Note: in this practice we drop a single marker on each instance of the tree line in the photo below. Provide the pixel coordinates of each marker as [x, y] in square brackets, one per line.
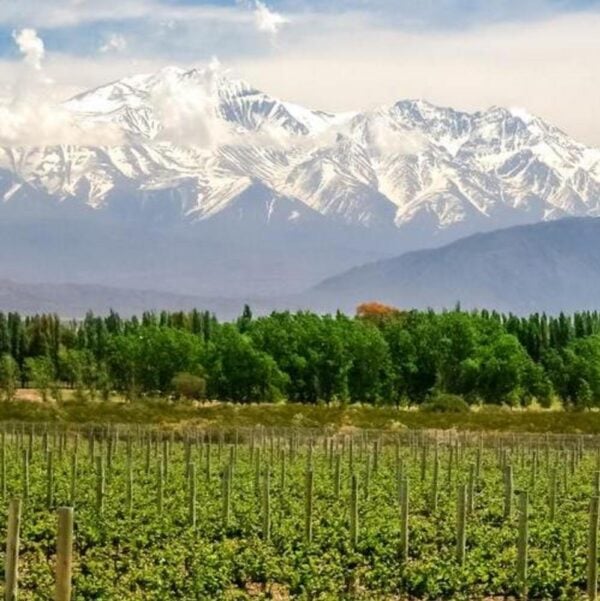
[381, 355]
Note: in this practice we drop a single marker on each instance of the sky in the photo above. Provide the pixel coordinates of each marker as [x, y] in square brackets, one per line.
[335, 55]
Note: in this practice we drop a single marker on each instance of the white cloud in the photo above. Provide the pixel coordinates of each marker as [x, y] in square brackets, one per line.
[346, 63]
[115, 42]
[32, 120]
[31, 47]
[30, 110]
[187, 109]
[350, 61]
[268, 20]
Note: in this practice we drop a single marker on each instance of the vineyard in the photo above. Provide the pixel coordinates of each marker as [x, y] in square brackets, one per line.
[297, 514]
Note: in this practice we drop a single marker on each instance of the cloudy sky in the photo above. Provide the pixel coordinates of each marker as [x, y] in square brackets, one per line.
[541, 55]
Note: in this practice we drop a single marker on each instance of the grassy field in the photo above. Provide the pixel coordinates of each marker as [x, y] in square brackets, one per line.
[171, 414]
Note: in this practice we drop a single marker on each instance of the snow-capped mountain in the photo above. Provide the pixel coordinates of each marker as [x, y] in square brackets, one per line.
[204, 138]
[199, 150]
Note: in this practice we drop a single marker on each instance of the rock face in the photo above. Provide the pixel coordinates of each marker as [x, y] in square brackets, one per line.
[210, 186]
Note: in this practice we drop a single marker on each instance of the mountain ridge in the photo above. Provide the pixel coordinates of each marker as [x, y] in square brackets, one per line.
[194, 162]
[415, 155]
[545, 267]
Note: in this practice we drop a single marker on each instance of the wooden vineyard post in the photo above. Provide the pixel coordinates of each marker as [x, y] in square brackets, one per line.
[471, 490]
[160, 484]
[25, 474]
[232, 462]
[308, 522]
[367, 475]
[64, 554]
[226, 487]
[109, 453]
[129, 449]
[434, 482]
[399, 475]
[187, 455]
[337, 477]
[397, 459]
[404, 517]
[534, 469]
[461, 524]
[165, 458]
[354, 511]
[257, 468]
[148, 455]
[508, 491]
[267, 506]
[129, 487]
[552, 495]
[309, 456]
[283, 470]
[522, 544]
[423, 463]
[73, 487]
[100, 484]
[3, 464]
[49, 480]
[192, 499]
[3, 468]
[91, 446]
[11, 570]
[208, 463]
[592, 554]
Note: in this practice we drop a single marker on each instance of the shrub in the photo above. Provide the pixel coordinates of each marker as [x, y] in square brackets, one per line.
[446, 403]
[189, 386]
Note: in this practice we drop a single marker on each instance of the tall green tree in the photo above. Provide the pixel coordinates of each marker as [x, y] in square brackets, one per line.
[9, 376]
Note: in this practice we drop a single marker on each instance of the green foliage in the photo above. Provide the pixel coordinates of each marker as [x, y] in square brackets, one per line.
[383, 356]
[40, 373]
[239, 371]
[446, 403]
[9, 376]
[189, 386]
[503, 365]
[255, 524]
[581, 378]
[147, 358]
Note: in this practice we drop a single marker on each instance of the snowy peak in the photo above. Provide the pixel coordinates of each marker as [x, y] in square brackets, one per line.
[198, 141]
[146, 105]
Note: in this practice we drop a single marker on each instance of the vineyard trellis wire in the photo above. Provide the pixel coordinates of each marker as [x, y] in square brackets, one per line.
[202, 513]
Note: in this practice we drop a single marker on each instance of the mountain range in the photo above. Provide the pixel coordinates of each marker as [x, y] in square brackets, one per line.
[551, 266]
[546, 267]
[197, 184]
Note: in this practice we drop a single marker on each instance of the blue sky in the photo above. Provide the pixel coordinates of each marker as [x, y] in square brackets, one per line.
[331, 54]
[81, 27]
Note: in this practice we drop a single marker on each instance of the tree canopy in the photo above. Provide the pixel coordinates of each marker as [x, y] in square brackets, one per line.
[381, 356]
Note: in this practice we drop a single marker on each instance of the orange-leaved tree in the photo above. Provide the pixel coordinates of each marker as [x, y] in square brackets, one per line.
[377, 312]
